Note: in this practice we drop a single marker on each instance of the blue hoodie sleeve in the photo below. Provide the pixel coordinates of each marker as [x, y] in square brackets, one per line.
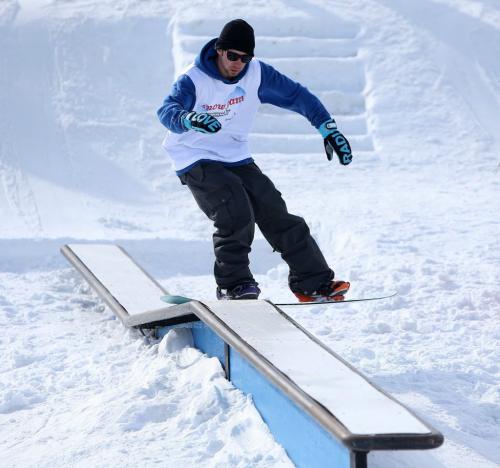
[181, 99]
[279, 90]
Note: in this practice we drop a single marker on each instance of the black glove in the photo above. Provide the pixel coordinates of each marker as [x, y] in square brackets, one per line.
[201, 122]
[335, 142]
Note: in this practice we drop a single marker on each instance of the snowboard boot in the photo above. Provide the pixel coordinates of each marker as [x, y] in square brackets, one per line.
[332, 291]
[241, 291]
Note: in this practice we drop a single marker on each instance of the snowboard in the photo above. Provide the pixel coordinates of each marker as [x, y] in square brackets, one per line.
[173, 299]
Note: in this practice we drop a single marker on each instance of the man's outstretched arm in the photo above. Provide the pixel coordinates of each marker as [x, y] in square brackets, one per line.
[279, 90]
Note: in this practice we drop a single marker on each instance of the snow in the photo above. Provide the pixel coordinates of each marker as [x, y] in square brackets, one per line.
[415, 86]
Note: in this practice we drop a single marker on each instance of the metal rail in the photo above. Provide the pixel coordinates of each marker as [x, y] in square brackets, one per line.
[195, 310]
[358, 442]
[148, 319]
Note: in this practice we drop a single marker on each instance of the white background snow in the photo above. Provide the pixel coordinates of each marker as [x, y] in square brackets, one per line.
[414, 85]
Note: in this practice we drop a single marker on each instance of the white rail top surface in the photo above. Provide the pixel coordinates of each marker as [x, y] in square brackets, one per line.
[121, 276]
[358, 405]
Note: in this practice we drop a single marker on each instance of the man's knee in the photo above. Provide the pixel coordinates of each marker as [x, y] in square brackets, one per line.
[240, 210]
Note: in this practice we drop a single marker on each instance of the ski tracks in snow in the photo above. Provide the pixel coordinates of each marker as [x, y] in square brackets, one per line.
[18, 200]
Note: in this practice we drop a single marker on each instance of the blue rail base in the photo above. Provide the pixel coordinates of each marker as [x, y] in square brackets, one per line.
[306, 442]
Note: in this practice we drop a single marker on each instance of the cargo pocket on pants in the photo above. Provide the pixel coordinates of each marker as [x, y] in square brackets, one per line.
[216, 206]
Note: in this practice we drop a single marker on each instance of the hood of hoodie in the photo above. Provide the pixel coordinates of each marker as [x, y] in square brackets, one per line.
[206, 61]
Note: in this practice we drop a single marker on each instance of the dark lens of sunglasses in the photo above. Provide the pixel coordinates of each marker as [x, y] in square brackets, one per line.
[233, 57]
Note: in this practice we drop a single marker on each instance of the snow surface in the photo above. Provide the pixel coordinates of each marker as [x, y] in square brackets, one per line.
[414, 85]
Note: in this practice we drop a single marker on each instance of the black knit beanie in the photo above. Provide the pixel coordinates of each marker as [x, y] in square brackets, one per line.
[238, 35]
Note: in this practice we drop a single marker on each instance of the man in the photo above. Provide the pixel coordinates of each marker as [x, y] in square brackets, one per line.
[210, 112]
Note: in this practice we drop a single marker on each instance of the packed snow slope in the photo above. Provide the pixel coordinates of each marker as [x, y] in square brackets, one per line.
[414, 85]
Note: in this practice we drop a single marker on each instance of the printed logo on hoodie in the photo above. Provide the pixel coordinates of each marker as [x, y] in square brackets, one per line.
[220, 110]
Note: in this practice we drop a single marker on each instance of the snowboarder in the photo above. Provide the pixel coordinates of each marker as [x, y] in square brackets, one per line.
[209, 114]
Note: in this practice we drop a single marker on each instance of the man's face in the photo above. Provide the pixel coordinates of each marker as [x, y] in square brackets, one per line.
[228, 68]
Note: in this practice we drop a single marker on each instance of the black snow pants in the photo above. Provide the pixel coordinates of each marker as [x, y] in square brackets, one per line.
[237, 197]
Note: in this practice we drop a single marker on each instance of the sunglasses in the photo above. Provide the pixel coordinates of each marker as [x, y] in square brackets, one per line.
[233, 57]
